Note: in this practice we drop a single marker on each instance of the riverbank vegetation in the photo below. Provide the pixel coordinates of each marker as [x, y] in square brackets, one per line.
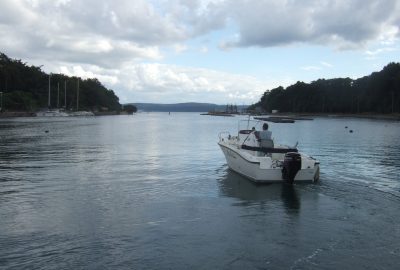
[376, 93]
[26, 88]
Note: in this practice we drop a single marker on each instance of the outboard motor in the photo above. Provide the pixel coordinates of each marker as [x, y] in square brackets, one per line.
[291, 165]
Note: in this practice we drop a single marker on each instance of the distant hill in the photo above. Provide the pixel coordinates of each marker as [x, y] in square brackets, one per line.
[182, 107]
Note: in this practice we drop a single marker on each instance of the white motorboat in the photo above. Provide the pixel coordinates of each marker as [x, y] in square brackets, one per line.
[266, 162]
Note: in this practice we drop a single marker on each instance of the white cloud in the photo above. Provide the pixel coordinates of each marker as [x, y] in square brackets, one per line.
[380, 51]
[91, 31]
[326, 64]
[16, 13]
[169, 83]
[310, 68]
[118, 41]
[204, 49]
[179, 48]
[322, 65]
[341, 24]
[109, 77]
[94, 27]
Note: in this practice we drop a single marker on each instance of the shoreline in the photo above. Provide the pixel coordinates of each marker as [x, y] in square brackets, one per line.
[33, 114]
[393, 117]
[17, 114]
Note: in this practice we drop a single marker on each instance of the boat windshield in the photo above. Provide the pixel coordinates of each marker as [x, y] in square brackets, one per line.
[245, 125]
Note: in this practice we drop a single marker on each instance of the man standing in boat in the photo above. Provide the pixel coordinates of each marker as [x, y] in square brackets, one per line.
[266, 137]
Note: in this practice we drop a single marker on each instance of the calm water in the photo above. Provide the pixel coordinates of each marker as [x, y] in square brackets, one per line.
[153, 191]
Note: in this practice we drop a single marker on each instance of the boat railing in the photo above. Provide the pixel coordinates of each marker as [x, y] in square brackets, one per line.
[269, 149]
[221, 135]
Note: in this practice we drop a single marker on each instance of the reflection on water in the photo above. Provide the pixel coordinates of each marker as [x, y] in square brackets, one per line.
[234, 185]
[289, 196]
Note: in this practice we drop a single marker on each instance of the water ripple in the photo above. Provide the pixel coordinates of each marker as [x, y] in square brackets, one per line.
[154, 191]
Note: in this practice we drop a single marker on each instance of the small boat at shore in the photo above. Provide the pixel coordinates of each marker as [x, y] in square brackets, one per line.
[282, 119]
[218, 114]
[275, 119]
[52, 113]
[62, 113]
[81, 113]
[267, 162]
[57, 112]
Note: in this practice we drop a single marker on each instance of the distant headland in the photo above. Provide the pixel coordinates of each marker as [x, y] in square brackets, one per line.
[377, 93]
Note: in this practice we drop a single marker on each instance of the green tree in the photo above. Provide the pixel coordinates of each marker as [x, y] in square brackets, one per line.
[26, 88]
[376, 93]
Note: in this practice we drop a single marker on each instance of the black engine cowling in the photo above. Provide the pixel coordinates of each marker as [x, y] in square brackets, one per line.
[291, 165]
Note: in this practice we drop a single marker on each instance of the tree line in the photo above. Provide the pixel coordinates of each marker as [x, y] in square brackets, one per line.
[376, 93]
[26, 88]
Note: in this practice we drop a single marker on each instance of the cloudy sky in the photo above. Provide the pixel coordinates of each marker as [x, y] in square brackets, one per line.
[217, 51]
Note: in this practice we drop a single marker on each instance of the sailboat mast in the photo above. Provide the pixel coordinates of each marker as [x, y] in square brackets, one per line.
[65, 94]
[49, 92]
[77, 97]
[58, 94]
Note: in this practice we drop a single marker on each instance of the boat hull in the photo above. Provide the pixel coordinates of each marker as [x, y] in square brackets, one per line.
[259, 169]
